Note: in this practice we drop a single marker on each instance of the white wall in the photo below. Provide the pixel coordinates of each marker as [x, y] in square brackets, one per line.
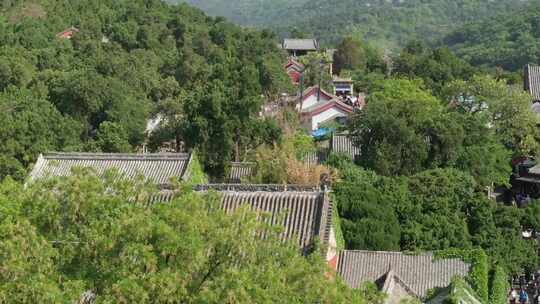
[324, 116]
[332, 245]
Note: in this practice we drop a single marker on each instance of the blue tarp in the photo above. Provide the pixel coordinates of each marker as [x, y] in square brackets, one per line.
[322, 132]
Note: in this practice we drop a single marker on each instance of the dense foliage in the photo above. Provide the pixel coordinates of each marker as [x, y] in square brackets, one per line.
[62, 238]
[478, 277]
[405, 129]
[433, 210]
[386, 23]
[499, 286]
[509, 40]
[435, 132]
[431, 157]
[436, 67]
[130, 61]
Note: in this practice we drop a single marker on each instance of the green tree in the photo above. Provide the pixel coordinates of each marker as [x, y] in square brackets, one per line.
[31, 125]
[392, 130]
[405, 130]
[349, 55]
[507, 109]
[436, 67]
[532, 216]
[90, 233]
[367, 217]
[29, 273]
[113, 138]
[317, 70]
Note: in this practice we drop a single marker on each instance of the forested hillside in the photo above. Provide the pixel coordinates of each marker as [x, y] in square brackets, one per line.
[387, 23]
[509, 40]
[127, 62]
[248, 12]
[418, 153]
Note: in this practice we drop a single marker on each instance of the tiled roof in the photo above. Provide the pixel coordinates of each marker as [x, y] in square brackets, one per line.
[314, 90]
[67, 33]
[301, 44]
[294, 65]
[532, 80]
[420, 273]
[258, 187]
[325, 105]
[306, 216]
[240, 171]
[342, 79]
[158, 168]
[341, 143]
[305, 213]
[314, 158]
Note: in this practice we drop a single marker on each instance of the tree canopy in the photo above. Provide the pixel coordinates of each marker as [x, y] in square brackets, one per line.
[432, 210]
[509, 40]
[128, 62]
[404, 130]
[64, 237]
[389, 24]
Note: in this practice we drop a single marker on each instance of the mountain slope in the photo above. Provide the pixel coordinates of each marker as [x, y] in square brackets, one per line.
[509, 40]
[248, 12]
[388, 23]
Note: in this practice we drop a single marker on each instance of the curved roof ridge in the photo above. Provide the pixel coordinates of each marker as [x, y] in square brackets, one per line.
[100, 155]
[407, 253]
[259, 188]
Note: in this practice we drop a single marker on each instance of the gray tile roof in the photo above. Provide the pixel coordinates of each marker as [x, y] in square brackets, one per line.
[314, 89]
[305, 213]
[341, 143]
[301, 44]
[532, 80]
[241, 171]
[315, 158]
[258, 187]
[420, 273]
[158, 168]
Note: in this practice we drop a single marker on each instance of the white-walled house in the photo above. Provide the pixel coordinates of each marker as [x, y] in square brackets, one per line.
[313, 95]
[318, 107]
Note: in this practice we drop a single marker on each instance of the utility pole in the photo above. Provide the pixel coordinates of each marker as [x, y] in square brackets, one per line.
[321, 65]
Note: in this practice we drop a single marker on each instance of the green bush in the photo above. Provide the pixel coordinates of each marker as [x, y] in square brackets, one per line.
[498, 286]
[197, 175]
[478, 274]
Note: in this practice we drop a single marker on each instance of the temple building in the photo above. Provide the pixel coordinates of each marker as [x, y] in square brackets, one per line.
[294, 70]
[318, 107]
[532, 81]
[300, 47]
[343, 86]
